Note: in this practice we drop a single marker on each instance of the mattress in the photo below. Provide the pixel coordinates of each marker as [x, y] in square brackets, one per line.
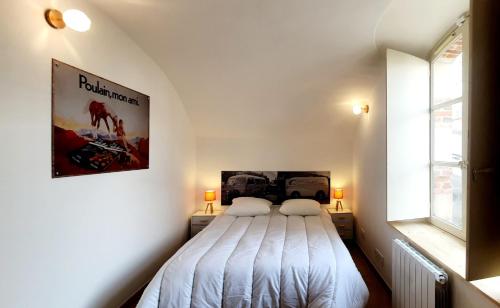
[262, 261]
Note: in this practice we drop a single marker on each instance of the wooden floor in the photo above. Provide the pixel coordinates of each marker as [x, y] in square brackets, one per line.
[134, 300]
[380, 295]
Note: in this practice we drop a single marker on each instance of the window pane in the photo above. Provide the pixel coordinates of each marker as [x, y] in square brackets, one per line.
[447, 194]
[447, 133]
[447, 73]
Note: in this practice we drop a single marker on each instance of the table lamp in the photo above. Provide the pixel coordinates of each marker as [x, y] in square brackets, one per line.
[209, 198]
[338, 193]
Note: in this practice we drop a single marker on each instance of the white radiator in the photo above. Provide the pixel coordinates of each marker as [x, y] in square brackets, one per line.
[416, 281]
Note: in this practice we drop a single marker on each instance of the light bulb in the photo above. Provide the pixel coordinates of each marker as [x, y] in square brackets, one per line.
[356, 109]
[76, 20]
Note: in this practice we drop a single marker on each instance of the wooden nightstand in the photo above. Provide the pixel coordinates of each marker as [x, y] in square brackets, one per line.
[343, 221]
[200, 220]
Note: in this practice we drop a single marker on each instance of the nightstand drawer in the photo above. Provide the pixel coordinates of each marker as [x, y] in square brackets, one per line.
[345, 234]
[195, 229]
[201, 220]
[343, 226]
[342, 219]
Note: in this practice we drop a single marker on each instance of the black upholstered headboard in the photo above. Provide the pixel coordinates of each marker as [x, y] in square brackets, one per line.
[275, 186]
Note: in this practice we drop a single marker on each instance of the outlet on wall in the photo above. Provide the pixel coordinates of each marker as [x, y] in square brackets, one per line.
[379, 258]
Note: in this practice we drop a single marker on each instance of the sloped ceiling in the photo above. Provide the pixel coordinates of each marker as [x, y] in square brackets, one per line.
[254, 68]
[416, 26]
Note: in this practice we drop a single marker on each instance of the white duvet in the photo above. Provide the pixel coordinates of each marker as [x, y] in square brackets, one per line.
[263, 261]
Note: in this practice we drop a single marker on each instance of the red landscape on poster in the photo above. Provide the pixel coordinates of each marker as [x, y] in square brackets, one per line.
[98, 126]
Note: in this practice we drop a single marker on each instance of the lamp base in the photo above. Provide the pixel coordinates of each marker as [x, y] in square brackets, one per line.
[339, 203]
[211, 205]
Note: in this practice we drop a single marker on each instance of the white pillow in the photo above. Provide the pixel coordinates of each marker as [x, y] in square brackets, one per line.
[300, 207]
[249, 206]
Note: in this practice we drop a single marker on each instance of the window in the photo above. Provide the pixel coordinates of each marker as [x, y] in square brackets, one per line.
[449, 132]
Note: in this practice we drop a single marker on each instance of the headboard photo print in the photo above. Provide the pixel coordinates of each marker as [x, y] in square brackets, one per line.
[275, 186]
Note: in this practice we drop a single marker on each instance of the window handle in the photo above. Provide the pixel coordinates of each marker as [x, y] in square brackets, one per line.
[476, 172]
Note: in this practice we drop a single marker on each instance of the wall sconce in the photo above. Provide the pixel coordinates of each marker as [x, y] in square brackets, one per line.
[74, 19]
[357, 109]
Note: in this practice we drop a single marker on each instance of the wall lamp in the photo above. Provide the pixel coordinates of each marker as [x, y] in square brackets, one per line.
[358, 109]
[74, 19]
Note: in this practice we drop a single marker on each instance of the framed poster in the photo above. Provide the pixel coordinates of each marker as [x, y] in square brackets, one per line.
[275, 186]
[98, 126]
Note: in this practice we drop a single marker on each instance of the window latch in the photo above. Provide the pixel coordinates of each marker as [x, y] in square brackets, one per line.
[476, 172]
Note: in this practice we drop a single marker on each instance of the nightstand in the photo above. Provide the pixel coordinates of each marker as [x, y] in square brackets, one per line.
[343, 221]
[200, 220]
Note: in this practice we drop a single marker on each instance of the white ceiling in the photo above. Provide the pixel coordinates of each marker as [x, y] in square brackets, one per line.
[254, 68]
[416, 26]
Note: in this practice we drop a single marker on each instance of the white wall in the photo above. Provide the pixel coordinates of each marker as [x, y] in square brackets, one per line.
[275, 153]
[370, 197]
[88, 241]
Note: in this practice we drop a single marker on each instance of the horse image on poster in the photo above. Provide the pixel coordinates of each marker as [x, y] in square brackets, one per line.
[98, 112]
[97, 125]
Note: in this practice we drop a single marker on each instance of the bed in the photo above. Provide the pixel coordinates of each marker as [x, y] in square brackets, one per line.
[263, 261]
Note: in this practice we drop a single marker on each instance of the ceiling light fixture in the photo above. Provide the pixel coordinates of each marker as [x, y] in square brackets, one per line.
[357, 109]
[73, 18]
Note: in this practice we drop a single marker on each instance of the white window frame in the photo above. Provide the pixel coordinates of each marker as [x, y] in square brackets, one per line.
[463, 29]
